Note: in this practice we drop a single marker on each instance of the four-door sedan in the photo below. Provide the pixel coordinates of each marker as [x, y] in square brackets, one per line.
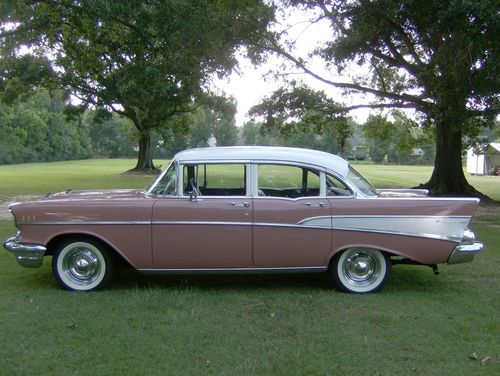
[245, 209]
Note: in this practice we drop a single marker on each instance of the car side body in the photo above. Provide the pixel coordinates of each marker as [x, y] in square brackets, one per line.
[245, 209]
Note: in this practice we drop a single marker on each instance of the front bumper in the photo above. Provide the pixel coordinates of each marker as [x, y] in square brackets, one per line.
[466, 250]
[28, 255]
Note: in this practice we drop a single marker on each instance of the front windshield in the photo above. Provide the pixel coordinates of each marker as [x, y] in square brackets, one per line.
[361, 183]
[166, 185]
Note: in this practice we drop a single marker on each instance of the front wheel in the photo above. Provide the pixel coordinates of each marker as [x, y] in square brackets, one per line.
[360, 270]
[82, 265]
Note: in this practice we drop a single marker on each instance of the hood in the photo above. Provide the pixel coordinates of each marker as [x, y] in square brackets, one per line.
[70, 195]
[103, 194]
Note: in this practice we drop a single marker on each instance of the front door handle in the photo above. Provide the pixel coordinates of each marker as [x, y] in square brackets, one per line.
[240, 204]
[315, 204]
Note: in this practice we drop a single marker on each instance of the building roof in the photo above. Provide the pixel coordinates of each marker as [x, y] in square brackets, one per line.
[264, 153]
[491, 148]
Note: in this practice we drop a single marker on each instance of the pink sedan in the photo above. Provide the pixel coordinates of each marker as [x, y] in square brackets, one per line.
[245, 209]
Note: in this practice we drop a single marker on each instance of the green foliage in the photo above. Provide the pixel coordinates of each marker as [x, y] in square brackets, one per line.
[201, 130]
[395, 140]
[256, 134]
[37, 130]
[111, 137]
[440, 58]
[145, 60]
[303, 116]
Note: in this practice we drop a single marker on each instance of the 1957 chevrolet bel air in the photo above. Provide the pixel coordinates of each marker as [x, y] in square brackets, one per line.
[245, 209]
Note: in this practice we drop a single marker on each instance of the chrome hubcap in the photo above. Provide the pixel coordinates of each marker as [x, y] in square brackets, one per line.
[361, 267]
[81, 265]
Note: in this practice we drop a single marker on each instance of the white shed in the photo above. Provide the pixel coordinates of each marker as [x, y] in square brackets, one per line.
[486, 161]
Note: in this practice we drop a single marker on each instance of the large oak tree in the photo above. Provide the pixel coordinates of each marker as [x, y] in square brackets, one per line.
[438, 57]
[144, 59]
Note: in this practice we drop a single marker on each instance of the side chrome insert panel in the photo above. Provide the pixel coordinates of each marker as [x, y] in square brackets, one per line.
[435, 227]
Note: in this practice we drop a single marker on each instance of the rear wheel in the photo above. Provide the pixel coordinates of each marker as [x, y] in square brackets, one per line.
[82, 265]
[360, 270]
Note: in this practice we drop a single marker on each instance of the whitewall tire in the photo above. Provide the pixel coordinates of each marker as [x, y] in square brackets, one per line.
[82, 265]
[360, 270]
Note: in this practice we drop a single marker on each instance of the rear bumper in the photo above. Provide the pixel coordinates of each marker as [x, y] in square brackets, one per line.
[28, 255]
[465, 252]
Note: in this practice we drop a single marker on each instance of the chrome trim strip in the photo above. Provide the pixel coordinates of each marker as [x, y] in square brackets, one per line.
[219, 223]
[401, 216]
[90, 223]
[290, 225]
[425, 198]
[428, 236]
[291, 269]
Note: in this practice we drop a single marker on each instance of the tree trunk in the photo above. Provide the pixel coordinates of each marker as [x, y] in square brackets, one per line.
[448, 177]
[144, 159]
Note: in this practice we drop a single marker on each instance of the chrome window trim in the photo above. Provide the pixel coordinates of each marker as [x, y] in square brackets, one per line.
[180, 174]
[201, 198]
[347, 182]
[291, 199]
[158, 179]
[319, 169]
[252, 176]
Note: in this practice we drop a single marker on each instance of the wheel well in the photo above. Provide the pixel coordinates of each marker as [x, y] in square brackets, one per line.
[54, 243]
[383, 251]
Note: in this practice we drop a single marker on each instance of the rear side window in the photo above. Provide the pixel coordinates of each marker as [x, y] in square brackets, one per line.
[215, 179]
[287, 181]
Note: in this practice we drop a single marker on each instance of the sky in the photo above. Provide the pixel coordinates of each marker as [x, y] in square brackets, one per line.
[250, 84]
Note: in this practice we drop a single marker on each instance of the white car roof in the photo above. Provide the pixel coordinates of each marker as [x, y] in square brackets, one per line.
[264, 153]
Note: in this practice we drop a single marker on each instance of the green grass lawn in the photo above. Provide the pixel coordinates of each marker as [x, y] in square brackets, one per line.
[41, 178]
[419, 324]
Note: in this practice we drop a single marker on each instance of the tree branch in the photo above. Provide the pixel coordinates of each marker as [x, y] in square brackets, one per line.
[380, 105]
[418, 102]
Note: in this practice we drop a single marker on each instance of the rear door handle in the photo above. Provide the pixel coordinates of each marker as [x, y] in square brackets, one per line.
[315, 204]
[240, 204]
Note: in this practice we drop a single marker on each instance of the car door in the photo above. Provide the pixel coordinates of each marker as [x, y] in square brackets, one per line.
[292, 218]
[209, 224]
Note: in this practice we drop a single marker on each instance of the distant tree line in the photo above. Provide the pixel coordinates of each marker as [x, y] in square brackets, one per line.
[38, 130]
[41, 129]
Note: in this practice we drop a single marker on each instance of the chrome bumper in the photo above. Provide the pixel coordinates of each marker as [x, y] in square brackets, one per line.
[28, 255]
[466, 250]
